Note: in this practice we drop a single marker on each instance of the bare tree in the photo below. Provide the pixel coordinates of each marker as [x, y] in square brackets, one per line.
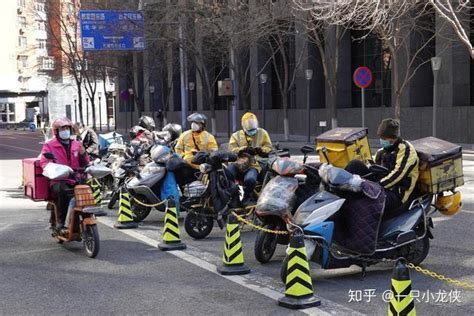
[394, 22]
[454, 12]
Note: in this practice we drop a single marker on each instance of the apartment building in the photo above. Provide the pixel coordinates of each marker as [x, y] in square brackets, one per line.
[36, 71]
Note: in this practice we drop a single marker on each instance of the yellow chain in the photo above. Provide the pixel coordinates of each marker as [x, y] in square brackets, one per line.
[441, 277]
[149, 205]
[266, 230]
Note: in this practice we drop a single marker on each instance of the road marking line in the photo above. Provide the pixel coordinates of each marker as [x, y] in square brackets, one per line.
[5, 227]
[241, 280]
[21, 148]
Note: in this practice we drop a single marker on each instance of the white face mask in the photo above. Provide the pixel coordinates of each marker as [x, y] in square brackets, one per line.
[195, 127]
[64, 135]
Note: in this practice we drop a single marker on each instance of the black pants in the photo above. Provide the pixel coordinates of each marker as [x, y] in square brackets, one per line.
[392, 202]
[62, 194]
[248, 178]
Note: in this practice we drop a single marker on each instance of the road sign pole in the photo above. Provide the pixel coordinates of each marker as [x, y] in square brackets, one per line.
[363, 107]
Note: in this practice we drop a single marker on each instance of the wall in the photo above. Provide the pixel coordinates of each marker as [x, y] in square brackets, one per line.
[454, 124]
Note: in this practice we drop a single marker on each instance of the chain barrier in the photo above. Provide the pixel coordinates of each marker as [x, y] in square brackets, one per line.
[148, 205]
[266, 230]
[424, 271]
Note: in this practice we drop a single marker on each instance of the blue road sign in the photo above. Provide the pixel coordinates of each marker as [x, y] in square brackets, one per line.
[112, 30]
[362, 77]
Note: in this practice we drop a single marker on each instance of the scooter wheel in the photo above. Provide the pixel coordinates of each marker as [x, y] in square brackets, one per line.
[91, 241]
[198, 226]
[265, 245]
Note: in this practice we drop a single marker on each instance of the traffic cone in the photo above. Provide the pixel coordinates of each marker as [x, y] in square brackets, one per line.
[233, 257]
[401, 302]
[171, 239]
[96, 191]
[125, 219]
[299, 286]
[97, 194]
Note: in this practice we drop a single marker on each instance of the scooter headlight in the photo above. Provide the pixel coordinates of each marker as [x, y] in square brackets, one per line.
[300, 217]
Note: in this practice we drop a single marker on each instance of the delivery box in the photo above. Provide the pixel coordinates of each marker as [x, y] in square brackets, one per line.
[34, 183]
[440, 165]
[344, 144]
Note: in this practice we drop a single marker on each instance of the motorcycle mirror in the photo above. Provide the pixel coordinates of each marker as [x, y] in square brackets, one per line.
[49, 155]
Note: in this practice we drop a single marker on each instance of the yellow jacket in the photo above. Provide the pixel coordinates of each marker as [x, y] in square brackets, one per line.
[239, 140]
[401, 160]
[191, 142]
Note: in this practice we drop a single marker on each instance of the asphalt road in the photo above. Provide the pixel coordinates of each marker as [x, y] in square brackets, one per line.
[131, 276]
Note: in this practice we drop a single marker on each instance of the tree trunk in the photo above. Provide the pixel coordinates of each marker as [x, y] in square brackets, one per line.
[79, 96]
[333, 106]
[286, 127]
[396, 102]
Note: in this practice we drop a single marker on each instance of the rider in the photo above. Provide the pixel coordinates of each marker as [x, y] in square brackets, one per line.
[66, 152]
[88, 138]
[192, 141]
[249, 142]
[149, 125]
[401, 160]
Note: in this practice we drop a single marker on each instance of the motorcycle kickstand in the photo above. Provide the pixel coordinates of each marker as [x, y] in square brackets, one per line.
[364, 271]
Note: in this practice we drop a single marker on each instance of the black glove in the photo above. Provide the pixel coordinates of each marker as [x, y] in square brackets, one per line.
[260, 152]
[247, 150]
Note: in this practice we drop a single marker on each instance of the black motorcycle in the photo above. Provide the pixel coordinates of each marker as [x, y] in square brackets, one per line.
[212, 197]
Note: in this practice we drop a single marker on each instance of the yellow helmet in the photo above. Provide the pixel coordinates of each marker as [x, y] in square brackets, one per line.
[449, 204]
[249, 123]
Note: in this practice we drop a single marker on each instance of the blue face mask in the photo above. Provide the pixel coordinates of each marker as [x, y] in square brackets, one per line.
[385, 143]
[251, 132]
[64, 135]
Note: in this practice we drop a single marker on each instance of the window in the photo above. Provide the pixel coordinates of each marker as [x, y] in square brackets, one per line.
[22, 61]
[46, 63]
[40, 25]
[41, 44]
[40, 5]
[22, 42]
[21, 3]
[22, 22]
[371, 52]
[7, 112]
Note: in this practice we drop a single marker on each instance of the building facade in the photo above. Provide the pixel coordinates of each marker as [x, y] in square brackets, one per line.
[36, 68]
[454, 96]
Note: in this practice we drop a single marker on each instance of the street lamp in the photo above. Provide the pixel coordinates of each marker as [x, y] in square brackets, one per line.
[309, 75]
[75, 108]
[263, 80]
[114, 94]
[87, 112]
[191, 86]
[435, 65]
[99, 94]
[152, 103]
[130, 92]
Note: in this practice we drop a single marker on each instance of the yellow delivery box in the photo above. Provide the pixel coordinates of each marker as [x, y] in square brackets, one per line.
[344, 144]
[440, 165]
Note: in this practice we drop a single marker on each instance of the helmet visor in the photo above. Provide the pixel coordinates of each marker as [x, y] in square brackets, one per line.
[250, 124]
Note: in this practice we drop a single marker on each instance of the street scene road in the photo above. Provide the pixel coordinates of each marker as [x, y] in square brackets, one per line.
[131, 276]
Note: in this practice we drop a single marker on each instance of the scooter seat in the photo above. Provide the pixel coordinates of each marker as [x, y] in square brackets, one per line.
[399, 210]
[401, 223]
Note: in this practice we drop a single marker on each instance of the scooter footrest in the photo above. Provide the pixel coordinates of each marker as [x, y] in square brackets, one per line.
[92, 210]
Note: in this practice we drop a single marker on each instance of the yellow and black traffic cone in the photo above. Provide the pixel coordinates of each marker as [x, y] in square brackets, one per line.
[171, 239]
[233, 257]
[299, 286]
[97, 194]
[96, 191]
[401, 302]
[125, 219]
